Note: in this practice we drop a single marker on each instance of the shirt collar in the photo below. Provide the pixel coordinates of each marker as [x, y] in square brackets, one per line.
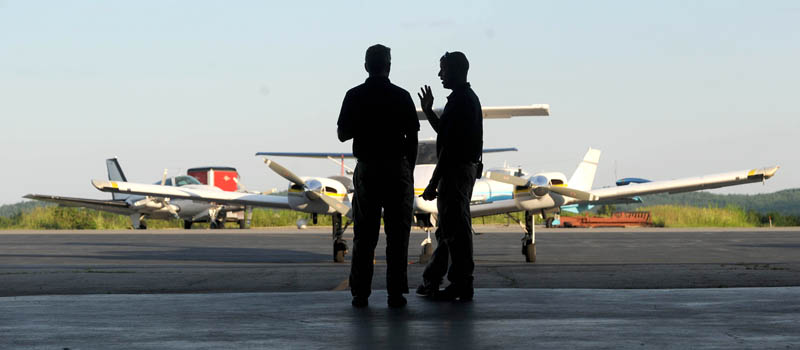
[459, 89]
[377, 80]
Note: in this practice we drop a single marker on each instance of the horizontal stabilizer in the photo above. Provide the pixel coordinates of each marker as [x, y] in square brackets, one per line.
[350, 155]
[504, 112]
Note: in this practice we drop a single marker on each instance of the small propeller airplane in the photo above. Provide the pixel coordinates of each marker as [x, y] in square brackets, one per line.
[314, 195]
[139, 207]
[501, 191]
[508, 190]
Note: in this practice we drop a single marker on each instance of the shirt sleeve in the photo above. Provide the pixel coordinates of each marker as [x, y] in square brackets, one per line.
[345, 124]
[410, 115]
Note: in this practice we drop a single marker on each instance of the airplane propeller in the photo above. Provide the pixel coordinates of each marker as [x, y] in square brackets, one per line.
[540, 190]
[163, 200]
[313, 189]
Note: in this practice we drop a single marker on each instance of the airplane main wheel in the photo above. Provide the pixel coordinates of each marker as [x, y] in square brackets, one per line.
[339, 250]
[426, 253]
[529, 250]
[549, 222]
[242, 224]
[142, 226]
[187, 224]
[216, 224]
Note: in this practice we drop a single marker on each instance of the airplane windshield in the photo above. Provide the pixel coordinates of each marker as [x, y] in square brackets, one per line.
[182, 180]
[186, 180]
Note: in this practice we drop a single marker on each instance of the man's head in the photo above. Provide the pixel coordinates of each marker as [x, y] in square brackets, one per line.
[378, 60]
[453, 67]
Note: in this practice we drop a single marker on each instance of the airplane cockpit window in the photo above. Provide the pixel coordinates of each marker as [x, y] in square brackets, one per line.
[185, 180]
[166, 183]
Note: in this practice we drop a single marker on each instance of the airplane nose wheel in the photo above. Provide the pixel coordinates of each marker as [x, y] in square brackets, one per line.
[529, 250]
[427, 249]
[529, 239]
[339, 244]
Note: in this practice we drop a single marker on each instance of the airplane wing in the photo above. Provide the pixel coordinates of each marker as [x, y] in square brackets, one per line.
[686, 184]
[497, 207]
[350, 155]
[200, 195]
[111, 206]
[306, 154]
[540, 110]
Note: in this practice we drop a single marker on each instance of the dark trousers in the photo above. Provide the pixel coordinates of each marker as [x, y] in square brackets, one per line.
[387, 185]
[454, 234]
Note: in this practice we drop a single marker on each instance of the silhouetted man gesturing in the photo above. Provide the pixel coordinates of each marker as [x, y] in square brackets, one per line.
[381, 119]
[459, 145]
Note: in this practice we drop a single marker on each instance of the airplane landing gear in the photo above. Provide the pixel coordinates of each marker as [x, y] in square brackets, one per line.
[339, 244]
[187, 224]
[529, 239]
[137, 222]
[427, 248]
[428, 223]
[216, 224]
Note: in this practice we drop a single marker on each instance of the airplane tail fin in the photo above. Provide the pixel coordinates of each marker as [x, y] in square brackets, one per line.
[583, 177]
[115, 174]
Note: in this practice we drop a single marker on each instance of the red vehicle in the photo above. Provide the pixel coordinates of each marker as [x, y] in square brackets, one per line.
[225, 178]
[220, 176]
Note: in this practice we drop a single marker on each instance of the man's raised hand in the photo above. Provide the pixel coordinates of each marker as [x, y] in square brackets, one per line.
[426, 99]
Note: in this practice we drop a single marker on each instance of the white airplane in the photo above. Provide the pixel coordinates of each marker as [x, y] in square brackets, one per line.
[139, 207]
[508, 190]
[546, 193]
[500, 191]
[314, 195]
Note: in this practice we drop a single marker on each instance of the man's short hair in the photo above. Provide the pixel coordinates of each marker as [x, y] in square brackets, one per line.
[378, 59]
[456, 62]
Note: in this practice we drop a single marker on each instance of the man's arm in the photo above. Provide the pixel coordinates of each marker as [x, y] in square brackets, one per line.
[411, 149]
[426, 103]
[430, 191]
[345, 124]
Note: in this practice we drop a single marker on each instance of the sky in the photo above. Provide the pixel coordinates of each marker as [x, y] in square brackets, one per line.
[665, 89]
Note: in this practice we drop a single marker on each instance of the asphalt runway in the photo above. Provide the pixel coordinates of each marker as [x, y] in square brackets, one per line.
[278, 288]
[289, 260]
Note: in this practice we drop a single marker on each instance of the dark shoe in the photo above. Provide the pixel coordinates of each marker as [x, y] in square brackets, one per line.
[360, 302]
[454, 292]
[427, 289]
[396, 301]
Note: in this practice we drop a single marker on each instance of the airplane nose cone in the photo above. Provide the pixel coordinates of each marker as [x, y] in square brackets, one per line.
[314, 185]
[421, 205]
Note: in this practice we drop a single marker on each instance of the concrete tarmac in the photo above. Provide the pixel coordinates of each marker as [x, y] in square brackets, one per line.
[278, 288]
[738, 318]
[285, 260]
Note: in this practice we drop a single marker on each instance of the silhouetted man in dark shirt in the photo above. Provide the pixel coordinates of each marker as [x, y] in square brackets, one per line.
[459, 144]
[381, 119]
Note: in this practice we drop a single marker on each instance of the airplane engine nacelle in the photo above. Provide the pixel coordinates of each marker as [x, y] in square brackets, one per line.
[301, 200]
